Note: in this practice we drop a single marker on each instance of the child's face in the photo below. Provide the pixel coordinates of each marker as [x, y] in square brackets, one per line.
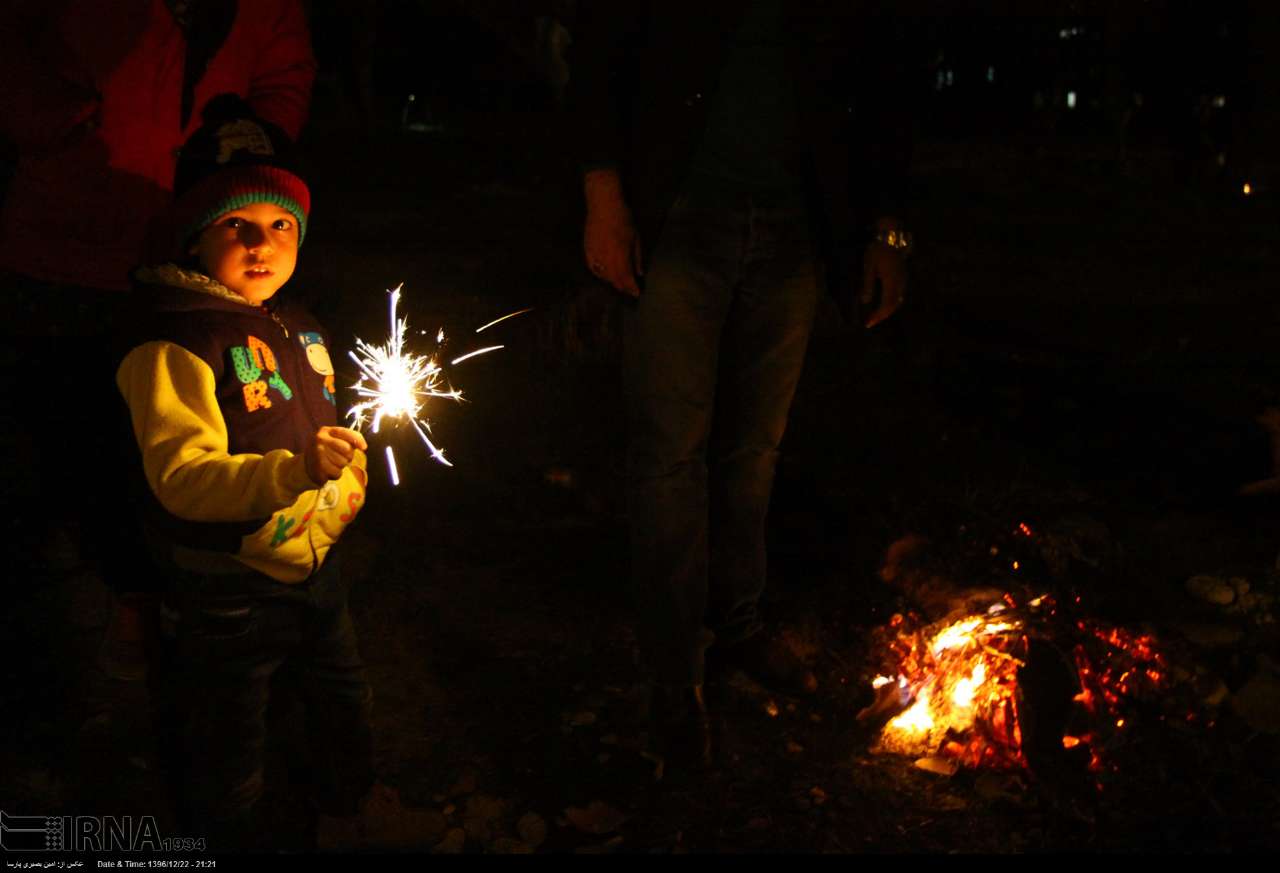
[252, 250]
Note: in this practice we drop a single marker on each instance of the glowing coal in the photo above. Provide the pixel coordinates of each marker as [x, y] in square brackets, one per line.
[958, 688]
[957, 679]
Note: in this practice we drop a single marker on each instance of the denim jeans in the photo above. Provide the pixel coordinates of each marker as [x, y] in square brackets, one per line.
[226, 637]
[713, 350]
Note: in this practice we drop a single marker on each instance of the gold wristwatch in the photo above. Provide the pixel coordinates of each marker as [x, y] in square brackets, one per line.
[900, 241]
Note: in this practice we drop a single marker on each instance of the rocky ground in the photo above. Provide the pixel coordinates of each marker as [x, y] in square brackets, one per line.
[1086, 347]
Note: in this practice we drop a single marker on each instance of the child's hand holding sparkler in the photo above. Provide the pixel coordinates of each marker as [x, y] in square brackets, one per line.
[330, 451]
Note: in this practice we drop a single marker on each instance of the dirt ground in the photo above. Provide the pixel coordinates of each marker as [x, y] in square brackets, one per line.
[1086, 345]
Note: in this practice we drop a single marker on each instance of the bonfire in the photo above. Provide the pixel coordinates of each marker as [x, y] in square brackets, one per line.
[1022, 682]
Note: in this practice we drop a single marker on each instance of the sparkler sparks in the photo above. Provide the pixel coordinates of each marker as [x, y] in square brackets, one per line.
[504, 318]
[473, 354]
[395, 383]
[391, 465]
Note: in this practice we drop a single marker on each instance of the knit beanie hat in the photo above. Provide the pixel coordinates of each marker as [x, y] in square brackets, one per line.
[233, 160]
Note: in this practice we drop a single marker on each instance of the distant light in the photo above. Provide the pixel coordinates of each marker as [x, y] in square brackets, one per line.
[951, 77]
[1071, 99]
[991, 74]
[1221, 159]
[1137, 99]
[1219, 101]
[1064, 34]
[941, 81]
[1248, 189]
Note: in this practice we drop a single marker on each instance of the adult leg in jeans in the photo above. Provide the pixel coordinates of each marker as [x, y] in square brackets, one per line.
[671, 346]
[761, 357]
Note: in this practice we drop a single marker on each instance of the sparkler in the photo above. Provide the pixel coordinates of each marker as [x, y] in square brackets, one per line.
[503, 318]
[395, 383]
[391, 465]
[473, 354]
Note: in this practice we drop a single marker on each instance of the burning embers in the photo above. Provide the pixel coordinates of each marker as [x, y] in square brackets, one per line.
[1014, 686]
[1116, 669]
[958, 680]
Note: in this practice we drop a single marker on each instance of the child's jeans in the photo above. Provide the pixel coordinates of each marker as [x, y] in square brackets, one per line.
[226, 636]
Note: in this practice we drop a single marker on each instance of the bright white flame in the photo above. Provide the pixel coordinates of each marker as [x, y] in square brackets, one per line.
[958, 634]
[880, 681]
[965, 688]
[917, 719]
[394, 383]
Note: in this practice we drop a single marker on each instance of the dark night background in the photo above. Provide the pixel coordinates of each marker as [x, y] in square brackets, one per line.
[1089, 338]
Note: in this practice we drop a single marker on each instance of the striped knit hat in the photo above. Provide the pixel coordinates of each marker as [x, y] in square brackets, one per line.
[233, 160]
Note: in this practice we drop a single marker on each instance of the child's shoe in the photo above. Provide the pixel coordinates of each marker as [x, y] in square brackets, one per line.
[382, 823]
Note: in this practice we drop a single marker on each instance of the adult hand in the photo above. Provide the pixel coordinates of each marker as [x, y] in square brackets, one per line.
[885, 268]
[330, 451]
[609, 239]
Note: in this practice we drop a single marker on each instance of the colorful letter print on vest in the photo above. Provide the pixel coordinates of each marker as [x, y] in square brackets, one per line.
[252, 361]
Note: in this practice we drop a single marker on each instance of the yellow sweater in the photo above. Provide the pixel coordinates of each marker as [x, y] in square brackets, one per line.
[178, 411]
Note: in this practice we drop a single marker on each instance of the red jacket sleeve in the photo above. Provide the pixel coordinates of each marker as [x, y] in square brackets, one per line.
[280, 89]
[39, 103]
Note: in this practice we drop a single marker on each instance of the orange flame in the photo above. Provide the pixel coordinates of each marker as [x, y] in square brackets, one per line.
[960, 677]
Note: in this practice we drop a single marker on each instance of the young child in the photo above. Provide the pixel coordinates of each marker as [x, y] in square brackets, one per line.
[249, 486]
